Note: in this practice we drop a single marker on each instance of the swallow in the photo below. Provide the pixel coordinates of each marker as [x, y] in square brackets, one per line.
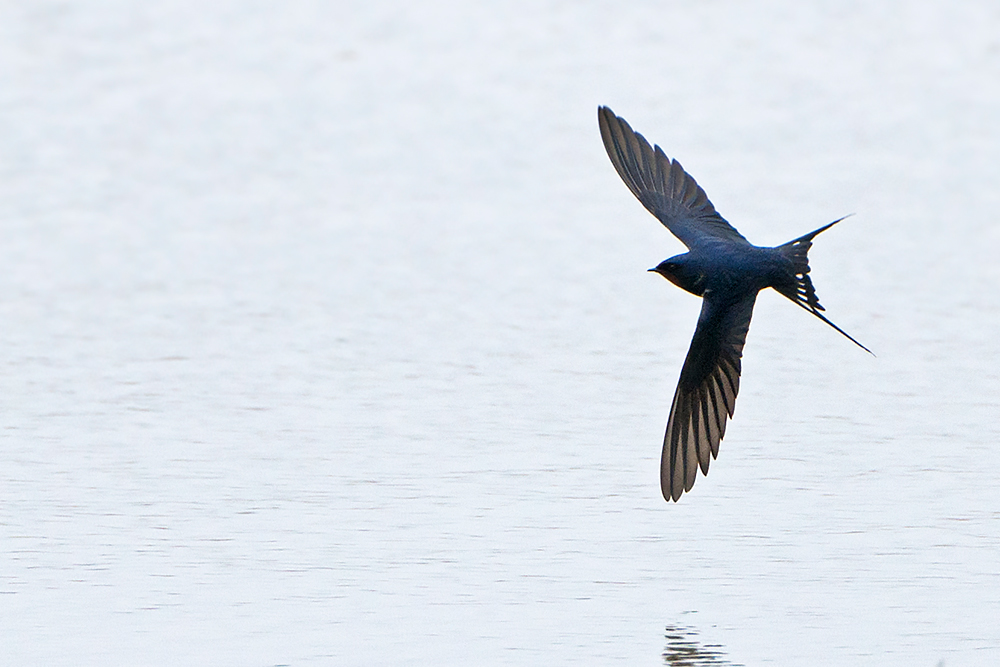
[727, 272]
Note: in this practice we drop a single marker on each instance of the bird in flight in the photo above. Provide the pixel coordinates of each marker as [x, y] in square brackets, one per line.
[727, 272]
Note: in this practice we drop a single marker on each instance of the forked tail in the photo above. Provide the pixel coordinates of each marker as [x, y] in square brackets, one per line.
[802, 291]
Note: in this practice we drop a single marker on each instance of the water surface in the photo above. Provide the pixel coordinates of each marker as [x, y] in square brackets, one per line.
[328, 338]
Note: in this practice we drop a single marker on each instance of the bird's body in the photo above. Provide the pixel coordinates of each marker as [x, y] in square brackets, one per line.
[727, 271]
[724, 267]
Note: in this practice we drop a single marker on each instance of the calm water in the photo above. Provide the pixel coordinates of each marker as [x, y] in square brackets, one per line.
[327, 336]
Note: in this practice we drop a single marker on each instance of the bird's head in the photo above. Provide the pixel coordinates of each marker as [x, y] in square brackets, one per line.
[680, 272]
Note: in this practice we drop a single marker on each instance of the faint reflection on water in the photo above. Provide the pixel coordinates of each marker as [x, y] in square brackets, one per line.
[683, 649]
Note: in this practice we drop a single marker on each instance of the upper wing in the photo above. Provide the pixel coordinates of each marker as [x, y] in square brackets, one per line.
[706, 393]
[662, 185]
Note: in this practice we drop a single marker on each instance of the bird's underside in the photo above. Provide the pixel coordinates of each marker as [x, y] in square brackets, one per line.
[710, 377]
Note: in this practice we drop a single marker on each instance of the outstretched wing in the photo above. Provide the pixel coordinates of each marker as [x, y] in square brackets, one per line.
[662, 185]
[706, 393]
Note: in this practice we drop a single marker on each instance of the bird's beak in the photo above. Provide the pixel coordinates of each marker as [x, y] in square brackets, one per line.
[652, 269]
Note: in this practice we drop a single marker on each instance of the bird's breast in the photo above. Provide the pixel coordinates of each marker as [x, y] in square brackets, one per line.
[689, 282]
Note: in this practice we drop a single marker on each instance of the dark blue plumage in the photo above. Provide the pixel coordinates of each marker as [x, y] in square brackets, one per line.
[727, 271]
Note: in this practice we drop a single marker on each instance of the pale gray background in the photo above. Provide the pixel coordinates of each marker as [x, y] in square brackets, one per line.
[327, 337]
